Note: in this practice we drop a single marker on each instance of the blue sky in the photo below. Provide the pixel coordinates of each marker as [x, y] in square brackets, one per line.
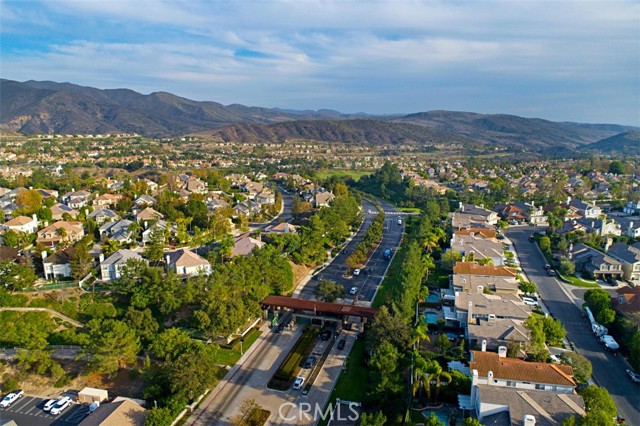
[559, 60]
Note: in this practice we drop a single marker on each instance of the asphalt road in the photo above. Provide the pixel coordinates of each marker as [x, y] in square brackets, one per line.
[608, 370]
[366, 282]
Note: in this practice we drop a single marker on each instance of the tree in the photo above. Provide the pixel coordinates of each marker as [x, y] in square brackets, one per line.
[113, 344]
[599, 302]
[373, 419]
[443, 343]
[384, 362]
[582, 369]
[81, 262]
[435, 377]
[10, 238]
[617, 167]
[528, 287]
[251, 414]
[29, 201]
[450, 258]
[329, 291]
[142, 322]
[545, 244]
[598, 400]
[193, 370]
[553, 329]
[159, 416]
[433, 420]
[16, 276]
[634, 347]
[570, 421]
[567, 267]
[388, 328]
[470, 421]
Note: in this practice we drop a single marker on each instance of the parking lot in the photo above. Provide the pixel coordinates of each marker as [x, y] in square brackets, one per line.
[27, 411]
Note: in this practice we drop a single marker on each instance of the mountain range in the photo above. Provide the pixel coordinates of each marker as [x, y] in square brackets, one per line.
[48, 107]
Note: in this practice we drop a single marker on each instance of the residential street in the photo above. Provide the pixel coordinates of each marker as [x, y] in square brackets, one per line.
[608, 370]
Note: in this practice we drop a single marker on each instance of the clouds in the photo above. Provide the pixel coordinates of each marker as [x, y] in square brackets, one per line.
[558, 60]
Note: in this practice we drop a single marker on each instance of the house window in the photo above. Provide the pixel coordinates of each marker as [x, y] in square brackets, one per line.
[540, 387]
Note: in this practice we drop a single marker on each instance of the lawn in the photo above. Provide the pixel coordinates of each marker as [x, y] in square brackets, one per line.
[353, 381]
[231, 355]
[573, 280]
[353, 174]
[391, 281]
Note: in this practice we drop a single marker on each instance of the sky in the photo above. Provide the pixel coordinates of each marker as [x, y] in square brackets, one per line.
[558, 60]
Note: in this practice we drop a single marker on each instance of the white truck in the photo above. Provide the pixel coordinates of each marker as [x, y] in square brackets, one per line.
[597, 329]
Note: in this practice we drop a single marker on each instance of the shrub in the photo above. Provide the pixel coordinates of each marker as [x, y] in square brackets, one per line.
[10, 384]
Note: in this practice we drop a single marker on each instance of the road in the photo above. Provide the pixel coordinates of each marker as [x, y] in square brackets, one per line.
[285, 215]
[367, 283]
[608, 370]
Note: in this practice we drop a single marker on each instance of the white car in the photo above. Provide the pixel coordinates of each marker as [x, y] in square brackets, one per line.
[11, 398]
[61, 405]
[555, 359]
[298, 383]
[529, 301]
[50, 403]
[353, 290]
[356, 272]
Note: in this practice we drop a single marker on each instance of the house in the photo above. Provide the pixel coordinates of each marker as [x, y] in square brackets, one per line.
[25, 224]
[323, 199]
[118, 231]
[471, 216]
[58, 265]
[500, 285]
[594, 262]
[120, 413]
[111, 267]
[48, 193]
[162, 224]
[493, 333]
[281, 228]
[10, 254]
[76, 199]
[627, 302]
[522, 213]
[498, 406]
[497, 370]
[60, 231]
[470, 268]
[475, 247]
[186, 262]
[7, 208]
[214, 203]
[629, 225]
[266, 196]
[244, 245]
[629, 256]
[473, 232]
[58, 210]
[474, 306]
[102, 215]
[191, 184]
[145, 201]
[600, 227]
[107, 200]
[632, 208]
[149, 215]
[585, 210]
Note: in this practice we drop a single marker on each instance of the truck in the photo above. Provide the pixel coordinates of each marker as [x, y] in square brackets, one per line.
[609, 343]
[387, 254]
[597, 329]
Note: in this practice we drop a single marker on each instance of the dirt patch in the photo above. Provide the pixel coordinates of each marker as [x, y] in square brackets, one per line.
[124, 383]
[299, 273]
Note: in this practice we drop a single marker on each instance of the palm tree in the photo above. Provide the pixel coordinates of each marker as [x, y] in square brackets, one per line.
[435, 374]
[419, 333]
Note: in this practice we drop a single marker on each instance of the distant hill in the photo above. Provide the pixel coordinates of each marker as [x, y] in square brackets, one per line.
[353, 131]
[627, 143]
[50, 107]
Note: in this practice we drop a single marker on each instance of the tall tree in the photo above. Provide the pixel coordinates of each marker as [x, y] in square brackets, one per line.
[113, 345]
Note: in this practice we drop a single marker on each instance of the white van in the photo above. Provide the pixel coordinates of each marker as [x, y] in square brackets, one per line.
[399, 221]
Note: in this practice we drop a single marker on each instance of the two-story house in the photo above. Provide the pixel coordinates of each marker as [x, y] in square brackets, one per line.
[597, 264]
[58, 265]
[107, 200]
[470, 216]
[522, 213]
[103, 214]
[187, 263]
[476, 247]
[632, 208]
[629, 256]
[117, 230]
[60, 232]
[585, 210]
[76, 199]
[627, 303]
[59, 210]
[111, 267]
[25, 224]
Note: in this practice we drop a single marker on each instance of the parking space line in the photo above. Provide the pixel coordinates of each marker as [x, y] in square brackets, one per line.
[32, 408]
[25, 401]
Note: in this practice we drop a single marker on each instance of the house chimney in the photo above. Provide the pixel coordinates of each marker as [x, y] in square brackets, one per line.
[35, 217]
[461, 206]
[167, 260]
[502, 351]
[470, 313]
[607, 244]
[479, 289]
[73, 190]
[484, 345]
[43, 254]
[474, 387]
[529, 420]
[491, 319]
[101, 257]
[490, 378]
[533, 203]
[568, 200]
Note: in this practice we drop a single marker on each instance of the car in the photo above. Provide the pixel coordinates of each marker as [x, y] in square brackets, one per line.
[60, 406]
[341, 344]
[353, 290]
[555, 359]
[547, 266]
[635, 377]
[356, 272]
[11, 398]
[529, 301]
[500, 237]
[531, 238]
[326, 335]
[551, 272]
[309, 362]
[612, 282]
[399, 221]
[50, 403]
[298, 383]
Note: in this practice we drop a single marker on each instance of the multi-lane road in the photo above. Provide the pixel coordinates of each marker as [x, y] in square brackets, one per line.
[608, 370]
[376, 266]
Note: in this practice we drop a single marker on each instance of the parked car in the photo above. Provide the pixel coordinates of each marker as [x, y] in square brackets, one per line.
[555, 359]
[11, 398]
[635, 377]
[612, 282]
[50, 403]
[326, 335]
[529, 301]
[356, 272]
[298, 383]
[399, 221]
[309, 362]
[341, 344]
[353, 290]
[551, 272]
[531, 238]
[60, 406]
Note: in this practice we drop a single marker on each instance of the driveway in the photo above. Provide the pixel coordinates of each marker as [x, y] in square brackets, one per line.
[608, 370]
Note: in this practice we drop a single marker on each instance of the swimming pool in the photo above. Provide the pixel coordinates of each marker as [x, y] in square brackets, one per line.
[432, 298]
[442, 414]
[431, 317]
